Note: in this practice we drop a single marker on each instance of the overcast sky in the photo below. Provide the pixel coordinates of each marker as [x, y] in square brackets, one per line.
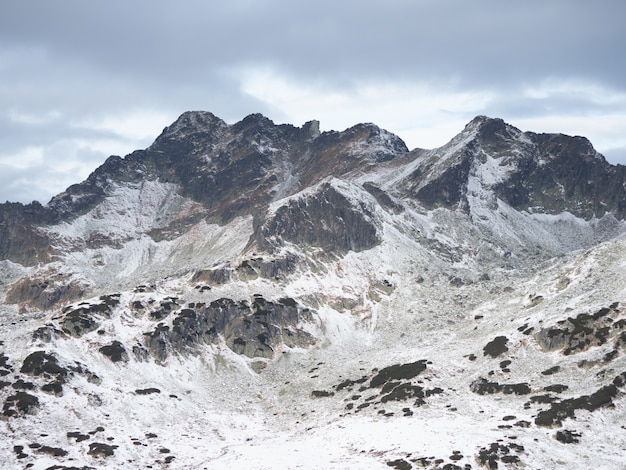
[80, 80]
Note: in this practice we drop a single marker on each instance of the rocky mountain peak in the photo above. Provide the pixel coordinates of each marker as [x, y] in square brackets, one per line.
[492, 133]
[192, 123]
[484, 121]
[491, 160]
[253, 120]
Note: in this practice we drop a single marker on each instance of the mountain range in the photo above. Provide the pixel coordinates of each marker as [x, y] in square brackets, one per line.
[256, 296]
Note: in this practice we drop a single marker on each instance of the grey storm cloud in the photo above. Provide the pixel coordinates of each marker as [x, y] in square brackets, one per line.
[69, 65]
[487, 42]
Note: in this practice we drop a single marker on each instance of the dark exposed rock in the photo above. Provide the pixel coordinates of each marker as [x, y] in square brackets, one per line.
[563, 409]
[47, 333]
[20, 403]
[78, 436]
[252, 268]
[40, 363]
[23, 385]
[55, 388]
[482, 386]
[142, 289]
[496, 347]
[348, 384]
[400, 464]
[163, 311]
[551, 370]
[82, 370]
[157, 342]
[140, 353]
[97, 430]
[111, 300]
[53, 451]
[403, 392]
[79, 322]
[568, 437]
[84, 318]
[20, 240]
[115, 352]
[19, 451]
[398, 372]
[448, 190]
[215, 276]
[147, 391]
[542, 399]
[4, 361]
[391, 384]
[578, 334]
[99, 449]
[550, 173]
[326, 219]
[383, 198]
[274, 267]
[566, 175]
[497, 452]
[251, 330]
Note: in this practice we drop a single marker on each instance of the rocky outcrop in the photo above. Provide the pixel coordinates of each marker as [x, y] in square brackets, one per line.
[584, 331]
[44, 293]
[327, 219]
[567, 175]
[20, 240]
[447, 190]
[86, 317]
[256, 330]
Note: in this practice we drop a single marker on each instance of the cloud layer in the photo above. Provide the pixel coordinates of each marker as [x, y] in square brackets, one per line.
[82, 80]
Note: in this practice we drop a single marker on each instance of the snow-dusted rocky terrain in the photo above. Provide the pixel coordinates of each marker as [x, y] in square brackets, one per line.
[271, 297]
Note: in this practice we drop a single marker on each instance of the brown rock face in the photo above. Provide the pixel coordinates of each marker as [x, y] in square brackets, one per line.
[44, 293]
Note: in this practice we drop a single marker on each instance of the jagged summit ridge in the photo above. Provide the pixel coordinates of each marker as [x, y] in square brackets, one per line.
[546, 173]
[227, 171]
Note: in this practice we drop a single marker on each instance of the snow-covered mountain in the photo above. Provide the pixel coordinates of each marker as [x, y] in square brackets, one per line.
[267, 296]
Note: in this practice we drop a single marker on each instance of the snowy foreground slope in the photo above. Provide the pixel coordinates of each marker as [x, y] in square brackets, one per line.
[268, 297]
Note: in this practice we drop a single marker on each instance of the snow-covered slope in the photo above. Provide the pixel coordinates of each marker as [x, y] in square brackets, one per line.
[290, 299]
